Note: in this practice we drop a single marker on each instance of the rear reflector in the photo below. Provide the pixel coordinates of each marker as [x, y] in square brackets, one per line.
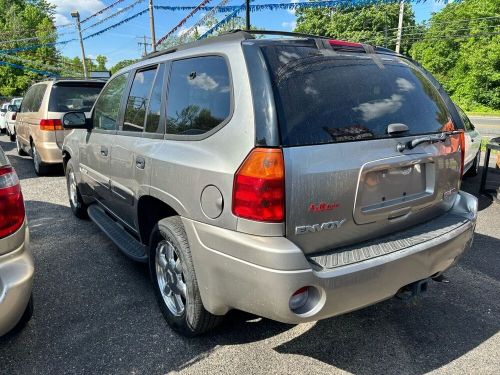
[50, 124]
[11, 202]
[259, 186]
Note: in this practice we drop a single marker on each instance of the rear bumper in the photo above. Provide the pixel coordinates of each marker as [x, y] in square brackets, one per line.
[16, 280]
[259, 274]
[50, 152]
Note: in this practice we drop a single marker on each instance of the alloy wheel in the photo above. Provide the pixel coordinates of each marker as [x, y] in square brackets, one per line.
[170, 277]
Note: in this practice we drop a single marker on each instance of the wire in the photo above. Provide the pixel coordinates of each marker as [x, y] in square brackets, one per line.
[123, 10]
[102, 10]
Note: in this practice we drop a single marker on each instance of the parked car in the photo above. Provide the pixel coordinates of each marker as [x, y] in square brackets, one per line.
[472, 145]
[38, 123]
[3, 111]
[16, 262]
[10, 117]
[296, 179]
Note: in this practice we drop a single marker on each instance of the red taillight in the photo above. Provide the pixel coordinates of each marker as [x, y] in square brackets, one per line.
[343, 43]
[11, 202]
[50, 124]
[259, 186]
[14, 115]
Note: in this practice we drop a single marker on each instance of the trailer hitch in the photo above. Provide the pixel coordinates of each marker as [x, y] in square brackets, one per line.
[412, 292]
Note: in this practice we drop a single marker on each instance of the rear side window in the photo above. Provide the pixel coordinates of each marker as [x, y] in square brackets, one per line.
[74, 96]
[322, 98]
[138, 100]
[107, 106]
[199, 95]
[33, 99]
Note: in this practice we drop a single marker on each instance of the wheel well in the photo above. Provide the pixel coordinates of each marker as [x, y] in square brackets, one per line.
[150, 210]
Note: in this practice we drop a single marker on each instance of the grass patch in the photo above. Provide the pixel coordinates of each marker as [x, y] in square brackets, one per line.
[485, 114]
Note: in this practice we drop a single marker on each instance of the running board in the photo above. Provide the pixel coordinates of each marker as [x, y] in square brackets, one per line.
[125, 242]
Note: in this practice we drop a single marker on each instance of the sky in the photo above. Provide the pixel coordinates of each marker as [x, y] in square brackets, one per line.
[122, 42]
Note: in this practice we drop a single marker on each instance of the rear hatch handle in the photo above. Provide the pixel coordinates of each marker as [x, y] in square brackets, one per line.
[417, 141]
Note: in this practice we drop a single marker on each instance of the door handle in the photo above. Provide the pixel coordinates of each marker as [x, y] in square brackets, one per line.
[140, 162]
[104, 151]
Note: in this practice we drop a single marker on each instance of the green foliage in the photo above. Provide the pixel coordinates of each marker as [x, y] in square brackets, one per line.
[121, 64]
[374, 24]
[462, 50]
[20, 19]
[101, 62]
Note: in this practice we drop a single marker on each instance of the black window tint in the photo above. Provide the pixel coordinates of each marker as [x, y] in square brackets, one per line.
[153, 117]
[137, 102]
[199, 95]
[107, 107]
[322, 98]
[38, 97]
[465, 119]
[66, 97]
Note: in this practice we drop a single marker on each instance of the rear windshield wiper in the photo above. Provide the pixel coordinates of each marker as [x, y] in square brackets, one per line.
[417, 141]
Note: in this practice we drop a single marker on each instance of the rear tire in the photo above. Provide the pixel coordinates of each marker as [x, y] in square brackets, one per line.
[174, 280]
[474, 168]
[19, 148]
[38, 165]
[76, 203]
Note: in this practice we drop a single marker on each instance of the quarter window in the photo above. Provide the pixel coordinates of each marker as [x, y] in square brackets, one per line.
[138, 100]
[107, 107]
[199, 95]
[33, 99]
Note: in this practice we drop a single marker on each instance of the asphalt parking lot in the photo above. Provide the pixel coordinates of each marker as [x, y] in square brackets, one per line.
[95, 312]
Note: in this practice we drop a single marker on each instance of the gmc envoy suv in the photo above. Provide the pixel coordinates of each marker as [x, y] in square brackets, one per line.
[294, 178]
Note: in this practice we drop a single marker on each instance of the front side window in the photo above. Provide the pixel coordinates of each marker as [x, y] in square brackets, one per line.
[138, 100]
[199, 95]
[107, 107]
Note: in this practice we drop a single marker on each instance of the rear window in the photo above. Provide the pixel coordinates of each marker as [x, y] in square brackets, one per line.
[325, 98]
[74, 97]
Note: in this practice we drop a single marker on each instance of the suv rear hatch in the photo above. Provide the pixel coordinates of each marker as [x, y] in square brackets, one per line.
[67, 96]
[349, 175]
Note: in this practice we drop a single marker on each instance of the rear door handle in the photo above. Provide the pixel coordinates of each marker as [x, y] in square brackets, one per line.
[140, 162]
[104, 151]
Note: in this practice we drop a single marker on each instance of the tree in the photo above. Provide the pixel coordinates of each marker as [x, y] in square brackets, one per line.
[121, 64]
[21, 20]
[373, 24]
[101, 62]
[461, 48]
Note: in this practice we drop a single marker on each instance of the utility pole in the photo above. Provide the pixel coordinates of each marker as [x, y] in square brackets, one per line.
[76, 16]
[145, 44]
[248, 14]
[400, 25]
[152, 25]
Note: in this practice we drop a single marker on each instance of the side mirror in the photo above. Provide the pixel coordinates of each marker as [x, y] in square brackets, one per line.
[75, 120]
[12, 108]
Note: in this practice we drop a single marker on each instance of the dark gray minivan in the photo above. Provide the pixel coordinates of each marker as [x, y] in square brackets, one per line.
[295, 178]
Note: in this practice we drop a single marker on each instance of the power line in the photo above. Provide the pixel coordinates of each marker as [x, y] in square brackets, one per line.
[102, 10]
[123, 10]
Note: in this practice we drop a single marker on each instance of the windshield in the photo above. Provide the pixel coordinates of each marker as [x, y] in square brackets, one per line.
[74, 96]
[17, 102]
[325, 98]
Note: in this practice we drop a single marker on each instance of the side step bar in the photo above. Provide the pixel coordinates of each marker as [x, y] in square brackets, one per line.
[125, 242]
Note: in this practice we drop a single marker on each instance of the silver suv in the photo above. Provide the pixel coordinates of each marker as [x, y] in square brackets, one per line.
[296, 179]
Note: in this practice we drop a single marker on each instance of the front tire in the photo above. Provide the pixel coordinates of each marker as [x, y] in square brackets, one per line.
[174, 279]
[76, 203]
[12, 136]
